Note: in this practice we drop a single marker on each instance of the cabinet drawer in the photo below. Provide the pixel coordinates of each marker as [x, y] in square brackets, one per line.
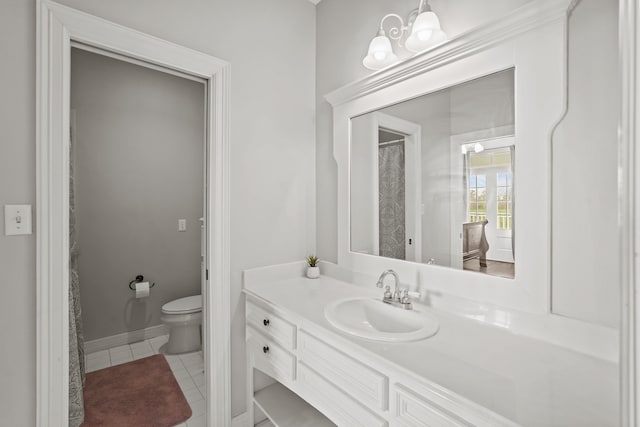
[361, 382]
[333, 402]
[272, 325]
[270, 357]
[412, 410]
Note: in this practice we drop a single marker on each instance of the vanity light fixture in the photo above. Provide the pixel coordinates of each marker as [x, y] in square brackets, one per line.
[423, 29]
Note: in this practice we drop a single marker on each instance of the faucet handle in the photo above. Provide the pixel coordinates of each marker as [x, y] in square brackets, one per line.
[416, 295]
[404, 297]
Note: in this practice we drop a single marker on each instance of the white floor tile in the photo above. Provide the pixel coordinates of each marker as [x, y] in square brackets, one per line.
[173, 360]
[186, 383]
[98, 354]
[190, 359]
[193, 395]
[119, 359]
[203, 390]
[197, 409]
[120, 349]
[96, 364]
[195, 369]
[199, 380]
[101, 360]
[196, 421]
[141, 347]
[180, 373]
[140, 354]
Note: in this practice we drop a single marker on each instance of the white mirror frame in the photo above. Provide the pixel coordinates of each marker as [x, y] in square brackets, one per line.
[532, 39]
[58, 27]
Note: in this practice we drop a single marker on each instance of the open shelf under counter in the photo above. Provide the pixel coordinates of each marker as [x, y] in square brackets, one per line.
[284, 408]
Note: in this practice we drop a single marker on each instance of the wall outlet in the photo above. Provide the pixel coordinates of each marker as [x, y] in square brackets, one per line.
[182, 225]
[17, 220]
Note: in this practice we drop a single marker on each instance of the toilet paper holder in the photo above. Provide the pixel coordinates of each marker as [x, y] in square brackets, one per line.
[139, 278]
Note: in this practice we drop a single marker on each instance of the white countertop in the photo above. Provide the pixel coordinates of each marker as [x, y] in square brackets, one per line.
[531, 382]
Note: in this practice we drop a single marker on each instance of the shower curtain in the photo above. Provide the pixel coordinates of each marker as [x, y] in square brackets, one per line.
[391, 198]
[76, 338]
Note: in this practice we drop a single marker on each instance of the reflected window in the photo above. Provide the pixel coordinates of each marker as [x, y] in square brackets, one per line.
[504, 189]
[477, 198]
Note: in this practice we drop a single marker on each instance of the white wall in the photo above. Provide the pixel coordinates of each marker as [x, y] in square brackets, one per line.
[585, 231]
[270, 46]
[139, 167]
[364, 194]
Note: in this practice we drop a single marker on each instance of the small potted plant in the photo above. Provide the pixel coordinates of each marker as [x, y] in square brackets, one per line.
[313, 271]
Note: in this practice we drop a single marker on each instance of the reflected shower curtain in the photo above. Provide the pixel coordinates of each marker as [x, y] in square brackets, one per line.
[76, 338]
[391, 198]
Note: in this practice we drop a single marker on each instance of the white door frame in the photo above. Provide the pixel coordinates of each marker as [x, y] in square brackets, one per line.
[413, 192]
[57, 27]
[629, 209]
[456, 143]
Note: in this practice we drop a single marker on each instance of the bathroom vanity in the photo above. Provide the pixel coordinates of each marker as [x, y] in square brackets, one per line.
[426, 153]
[467, 374]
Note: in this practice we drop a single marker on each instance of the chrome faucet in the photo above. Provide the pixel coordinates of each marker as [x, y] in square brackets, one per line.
[387, 294]
[398, 297]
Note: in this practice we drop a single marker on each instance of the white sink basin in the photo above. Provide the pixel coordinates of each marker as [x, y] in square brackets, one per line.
[373, 319]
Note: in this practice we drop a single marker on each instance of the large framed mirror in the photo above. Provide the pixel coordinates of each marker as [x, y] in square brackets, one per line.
[432, 178]
[444, 162]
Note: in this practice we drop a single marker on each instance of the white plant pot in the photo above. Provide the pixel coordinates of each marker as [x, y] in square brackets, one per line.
[313, 272]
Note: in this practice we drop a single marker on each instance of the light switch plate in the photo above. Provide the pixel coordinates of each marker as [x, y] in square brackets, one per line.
[182, 225]
[17, 220]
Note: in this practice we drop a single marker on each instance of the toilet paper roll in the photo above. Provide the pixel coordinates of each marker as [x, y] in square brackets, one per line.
[142, 289]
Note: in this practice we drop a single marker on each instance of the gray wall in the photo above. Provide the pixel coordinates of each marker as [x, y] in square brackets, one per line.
[139, 167]
[17, 185]
[272, 102]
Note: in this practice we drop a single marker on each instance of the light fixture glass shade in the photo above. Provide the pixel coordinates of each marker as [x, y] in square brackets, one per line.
[380, 54]
[425, 32]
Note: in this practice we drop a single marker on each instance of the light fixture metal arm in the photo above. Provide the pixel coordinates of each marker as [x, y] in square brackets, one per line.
[395, 33]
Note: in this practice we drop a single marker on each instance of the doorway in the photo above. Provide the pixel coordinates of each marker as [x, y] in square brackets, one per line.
[59, 27]
[137, 175]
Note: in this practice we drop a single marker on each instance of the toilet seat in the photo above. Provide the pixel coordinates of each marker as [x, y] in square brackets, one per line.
[186, 305]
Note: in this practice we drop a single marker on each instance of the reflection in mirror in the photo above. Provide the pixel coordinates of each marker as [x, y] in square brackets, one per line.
[433, 178]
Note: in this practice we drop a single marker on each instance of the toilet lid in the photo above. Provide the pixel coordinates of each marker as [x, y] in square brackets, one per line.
[185, 305]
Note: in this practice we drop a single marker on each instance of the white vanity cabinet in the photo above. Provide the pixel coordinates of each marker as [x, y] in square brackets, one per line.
[319, 383]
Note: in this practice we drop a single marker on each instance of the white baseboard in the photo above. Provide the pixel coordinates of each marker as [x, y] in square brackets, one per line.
[241, 420]
[124, 338]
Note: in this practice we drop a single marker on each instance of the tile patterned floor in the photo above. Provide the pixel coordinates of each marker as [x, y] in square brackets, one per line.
[188, 368]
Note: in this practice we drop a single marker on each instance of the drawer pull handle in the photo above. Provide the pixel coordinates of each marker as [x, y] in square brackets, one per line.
[266, 322]
[265, 349]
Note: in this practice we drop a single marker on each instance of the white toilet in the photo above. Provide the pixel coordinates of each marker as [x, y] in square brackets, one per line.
[183, 317]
